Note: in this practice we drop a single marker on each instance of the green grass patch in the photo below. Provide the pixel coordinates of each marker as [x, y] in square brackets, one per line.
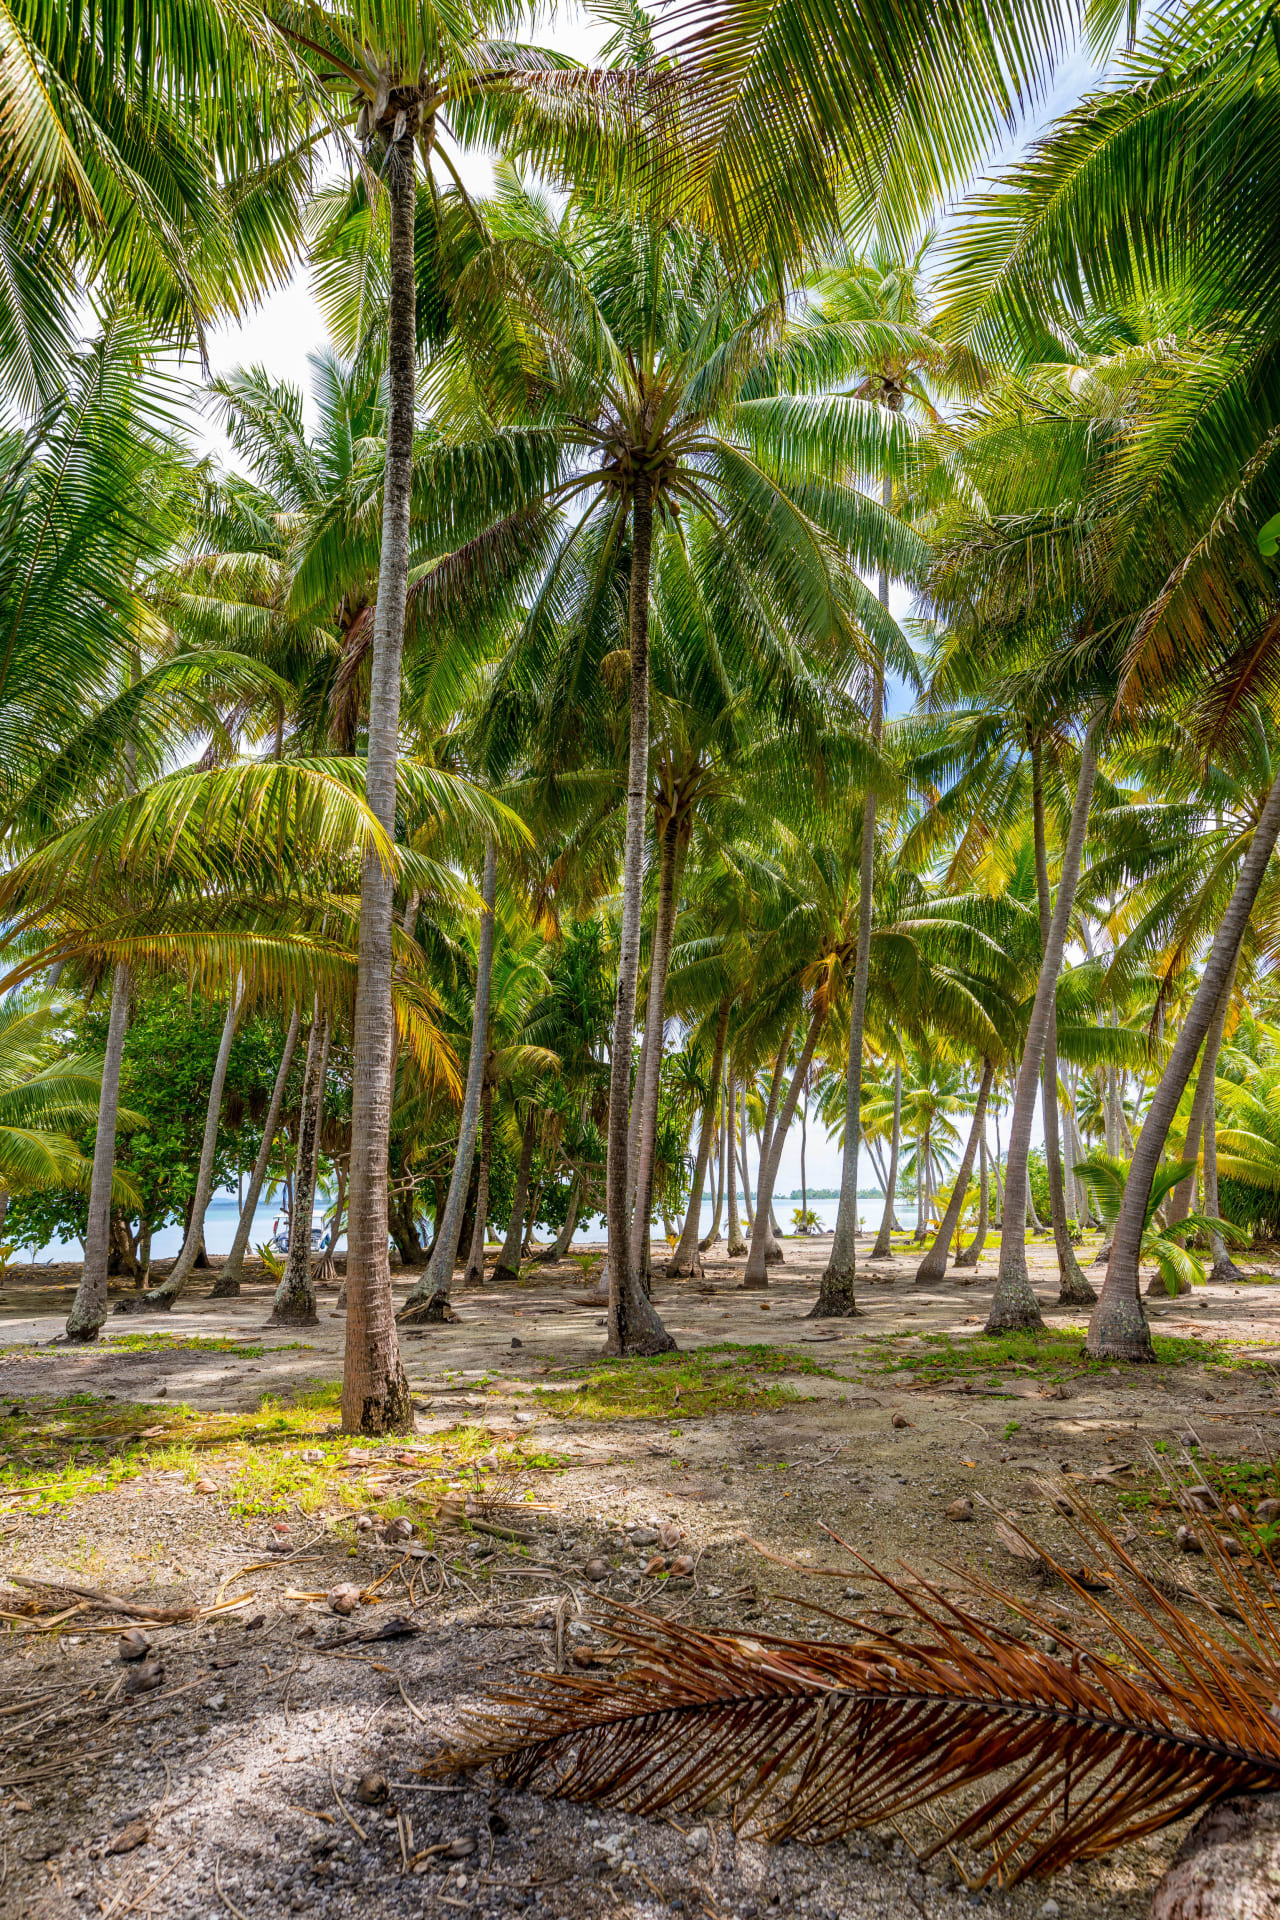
[725, 1378]
[198, 1343]
[1054, 1354]
[274, 1458]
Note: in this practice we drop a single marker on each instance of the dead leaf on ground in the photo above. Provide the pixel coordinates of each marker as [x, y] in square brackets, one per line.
[136, 1834]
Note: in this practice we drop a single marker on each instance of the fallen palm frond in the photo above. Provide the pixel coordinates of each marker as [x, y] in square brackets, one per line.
[1051, 1757]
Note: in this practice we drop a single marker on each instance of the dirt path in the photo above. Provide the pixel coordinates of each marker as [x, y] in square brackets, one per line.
[242, 1761]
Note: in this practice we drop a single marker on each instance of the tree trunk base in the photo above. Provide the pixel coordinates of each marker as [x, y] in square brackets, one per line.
[1102, 1256]
[969, 1258]
[773, 1255]
[225, 1287]
[504, 1276]
[1228, 1865]
[688, 1269]
[82, 1333]
[1225, 1273]
[1076, 1291]
[429, 1312]
[932, 1268]
[835, 1299]
[1014, 1306]
[296, 1312]
[158, 1302]
[1157, 1289]
[737, 1250]
[391, 1412]
[1118, 1330]
[880, 1253]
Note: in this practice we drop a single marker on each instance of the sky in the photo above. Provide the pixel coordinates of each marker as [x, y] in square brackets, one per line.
[288, 326]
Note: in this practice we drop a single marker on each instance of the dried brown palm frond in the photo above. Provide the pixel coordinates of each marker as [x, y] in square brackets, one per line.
[1047, 1758]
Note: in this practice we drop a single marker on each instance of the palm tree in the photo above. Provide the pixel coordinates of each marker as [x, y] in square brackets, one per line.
[665, 380]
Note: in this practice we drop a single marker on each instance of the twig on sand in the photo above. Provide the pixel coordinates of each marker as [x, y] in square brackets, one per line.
[350, 1819]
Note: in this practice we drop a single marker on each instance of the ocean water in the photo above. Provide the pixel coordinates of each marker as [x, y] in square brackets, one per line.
[224, 1213]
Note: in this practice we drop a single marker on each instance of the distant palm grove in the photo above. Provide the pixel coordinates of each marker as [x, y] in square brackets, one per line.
[766, 624]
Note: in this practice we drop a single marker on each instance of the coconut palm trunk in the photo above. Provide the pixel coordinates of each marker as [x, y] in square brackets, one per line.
[564, 1238]
[757, 1271]
[295, 1300]
[934, 1265]
[474, 1275]
[836, 1289]
[713, 1233]
[647, 1088]
[1073, 1289]
[970, 1255]
[882, 1249]
[737, 1245]
[89, 1308]
[684, 1262]
[508, 1267]
[427, 1298]
[231, 1273]
[1183, 1194]
[375, 1391]
[1118, 1327]
[183, 1267]
[748, 1210]
[634, 1325]
[1225, 1270]
[1014, 1304]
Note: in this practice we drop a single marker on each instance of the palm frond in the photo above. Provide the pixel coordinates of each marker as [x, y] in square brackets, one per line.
[1054, 1758]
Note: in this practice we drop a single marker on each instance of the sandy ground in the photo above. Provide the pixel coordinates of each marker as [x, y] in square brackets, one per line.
[243, 1763]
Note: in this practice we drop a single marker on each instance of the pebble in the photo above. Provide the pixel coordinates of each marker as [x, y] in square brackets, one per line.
[134, 1644]
[206, 1486]
[697, 1839]
[1050, 1910]
[900, 1420]
[344, 1599]
[643, 1536]
[597, 1569]
[371, 1789]
[216, 1702]
[961, 1509]
[1187, 1541]
[1267, 1511]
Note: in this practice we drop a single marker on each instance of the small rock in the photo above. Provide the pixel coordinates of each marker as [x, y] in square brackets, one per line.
[312, 1455]
[258, 1620]
[643, 1536]
[206, 1486]
[1203, 1499]
[1233, 1548]
[578, 1630]
[900, 1420]
[697, 1839]
[764, 1306]
[134, 1644]
[961, 1509]
[1188, 1439]
[682, 1566]
[371, 1789]
[399, 1528]
[1187, 1541]
[136, 1834]
[1267, 1511]
[1050, 1910]
[670, 1534]
[597, 1569]
[162, 1393]
[145, 1677]
[515, 1342]
[462, 1847]
[344, 1599]
[216, 1702]
[1236, 1512]
[364, 1523]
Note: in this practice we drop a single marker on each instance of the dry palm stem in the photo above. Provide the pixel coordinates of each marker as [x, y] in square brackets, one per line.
[1048, 1758]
